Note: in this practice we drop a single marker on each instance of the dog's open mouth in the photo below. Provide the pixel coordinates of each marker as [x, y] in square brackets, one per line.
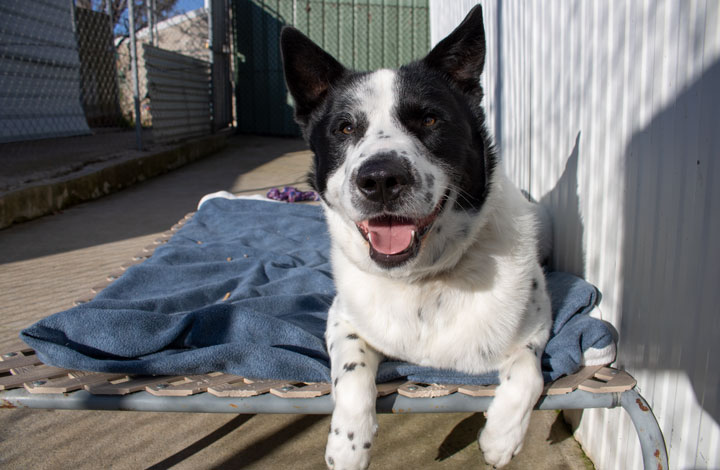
[394, 239]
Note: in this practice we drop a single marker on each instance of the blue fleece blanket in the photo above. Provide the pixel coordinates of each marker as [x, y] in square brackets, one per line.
[244, 288]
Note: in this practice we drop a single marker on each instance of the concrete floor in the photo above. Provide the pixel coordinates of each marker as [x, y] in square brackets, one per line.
[49, 262]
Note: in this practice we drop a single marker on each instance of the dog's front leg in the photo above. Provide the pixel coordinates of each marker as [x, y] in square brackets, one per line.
[521, 384]
[353, 368]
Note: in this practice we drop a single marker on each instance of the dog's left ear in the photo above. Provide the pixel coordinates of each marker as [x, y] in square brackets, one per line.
[309, 71]
[461, 55]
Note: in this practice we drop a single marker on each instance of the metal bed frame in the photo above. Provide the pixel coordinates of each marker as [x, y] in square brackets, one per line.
[26, 383]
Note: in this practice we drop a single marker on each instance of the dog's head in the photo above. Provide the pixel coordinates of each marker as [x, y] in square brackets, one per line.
[402, 158]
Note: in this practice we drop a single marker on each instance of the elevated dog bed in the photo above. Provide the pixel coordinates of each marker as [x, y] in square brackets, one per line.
[228, 315]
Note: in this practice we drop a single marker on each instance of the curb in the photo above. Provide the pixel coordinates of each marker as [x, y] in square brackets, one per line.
[54, 195]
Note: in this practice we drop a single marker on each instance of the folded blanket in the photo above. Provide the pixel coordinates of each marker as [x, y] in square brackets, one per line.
[244, 288]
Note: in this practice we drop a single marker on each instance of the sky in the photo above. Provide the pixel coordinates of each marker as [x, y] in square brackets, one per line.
[183, 6]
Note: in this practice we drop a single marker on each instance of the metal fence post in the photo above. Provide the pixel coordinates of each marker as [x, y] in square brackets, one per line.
[134, 69]
[211, 58]
[150, 21]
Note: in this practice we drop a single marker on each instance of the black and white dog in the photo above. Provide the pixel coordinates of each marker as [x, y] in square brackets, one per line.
[434, 251]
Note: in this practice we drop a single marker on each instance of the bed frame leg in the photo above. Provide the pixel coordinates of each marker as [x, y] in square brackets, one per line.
[652, 441]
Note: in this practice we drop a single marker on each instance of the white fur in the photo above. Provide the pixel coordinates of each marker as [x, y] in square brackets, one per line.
[465, 302]
[376, 99]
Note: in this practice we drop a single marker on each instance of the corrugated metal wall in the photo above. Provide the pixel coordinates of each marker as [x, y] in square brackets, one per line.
[608, 112]
[39, 71]
[361, 34]
[179, 89]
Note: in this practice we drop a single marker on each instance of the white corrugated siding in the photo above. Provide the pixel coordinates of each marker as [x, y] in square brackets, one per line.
[608, 112]
[179, 90]
[39, 71]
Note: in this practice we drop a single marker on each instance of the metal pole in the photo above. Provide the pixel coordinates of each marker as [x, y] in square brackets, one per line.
[268, 403]
[72, 17]
[150, 15]
[155, 26]
[211, 59]
[133, 64]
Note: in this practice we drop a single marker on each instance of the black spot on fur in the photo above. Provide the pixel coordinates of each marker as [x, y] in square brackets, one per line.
[429, 180]
[352, 336]
[534, 284]
[464, 231]
[362, 351]
[337, 431]
[336, 323]
[336, 381]
[438, 228]
[349, 367]
[538, 309]
[508, 377]
[330, 348]
[331, 461]
[367, 445]
[362, 364]
[351, 435]
[438, 301]
[380, 132]
[428, 197]
[353, 447]
[420, 313]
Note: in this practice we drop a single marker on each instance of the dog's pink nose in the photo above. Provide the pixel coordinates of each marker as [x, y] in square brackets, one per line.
[383, 178]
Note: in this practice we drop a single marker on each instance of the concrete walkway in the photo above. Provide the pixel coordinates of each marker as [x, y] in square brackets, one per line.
[47, 263]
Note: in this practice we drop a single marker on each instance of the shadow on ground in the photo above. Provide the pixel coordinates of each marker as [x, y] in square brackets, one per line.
[152, 206]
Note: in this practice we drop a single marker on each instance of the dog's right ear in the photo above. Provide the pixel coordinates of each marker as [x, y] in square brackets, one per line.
[309, 71]
[461, 55]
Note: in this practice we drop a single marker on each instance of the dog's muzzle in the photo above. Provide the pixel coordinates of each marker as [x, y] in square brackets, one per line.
[393, 239]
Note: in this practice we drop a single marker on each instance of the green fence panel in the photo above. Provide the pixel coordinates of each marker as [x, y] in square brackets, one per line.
[361, 34]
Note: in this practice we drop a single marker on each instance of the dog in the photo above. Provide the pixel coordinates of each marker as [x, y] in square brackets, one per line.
[434, 251]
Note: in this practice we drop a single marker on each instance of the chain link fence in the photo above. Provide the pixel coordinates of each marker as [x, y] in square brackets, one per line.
[361, 34]
[66, 66]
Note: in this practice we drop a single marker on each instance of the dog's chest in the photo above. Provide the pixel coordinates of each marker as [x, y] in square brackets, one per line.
[432, 324]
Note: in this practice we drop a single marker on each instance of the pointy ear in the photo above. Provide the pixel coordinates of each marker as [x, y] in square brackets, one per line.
[309, 71]
[461, 55]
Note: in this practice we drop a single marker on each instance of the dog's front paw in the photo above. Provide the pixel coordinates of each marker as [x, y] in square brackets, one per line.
[349, 444]
[500, 445]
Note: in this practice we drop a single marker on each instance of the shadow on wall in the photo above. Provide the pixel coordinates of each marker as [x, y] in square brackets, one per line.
[671, 251]
[564, 205]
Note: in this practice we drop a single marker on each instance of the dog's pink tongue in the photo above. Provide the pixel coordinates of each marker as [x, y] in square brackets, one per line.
[390, 235]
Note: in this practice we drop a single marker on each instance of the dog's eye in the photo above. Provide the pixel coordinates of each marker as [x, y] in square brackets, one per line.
[429, 121]
[347, 128]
